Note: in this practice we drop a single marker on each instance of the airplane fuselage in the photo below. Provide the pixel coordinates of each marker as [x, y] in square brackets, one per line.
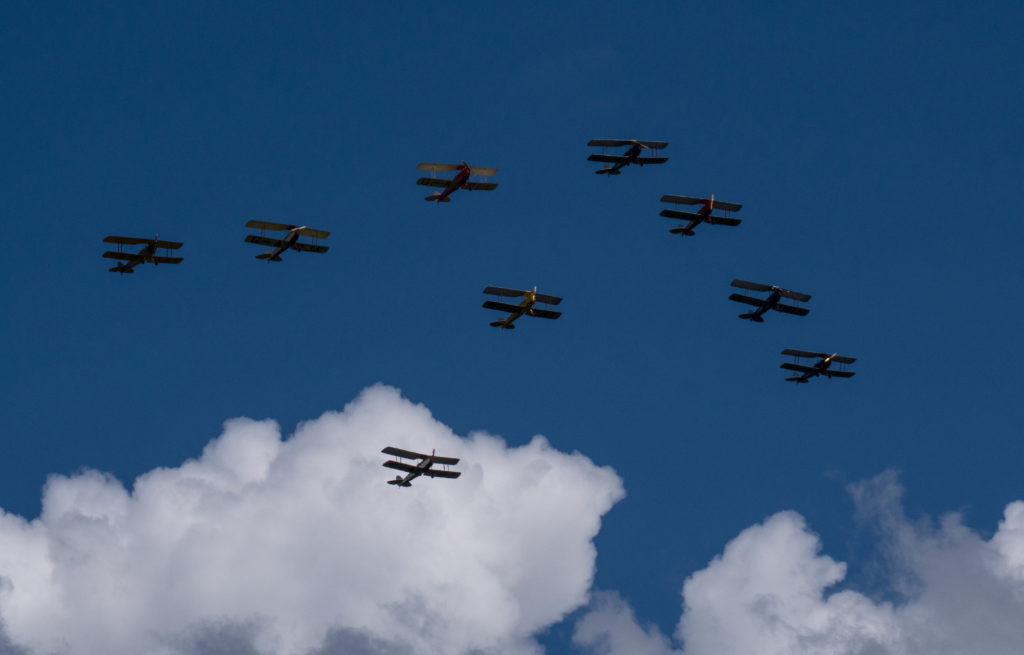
[147, 254]
[456, 182]
[820, 368]
[525, 306]
[769, 303]
[423, 465]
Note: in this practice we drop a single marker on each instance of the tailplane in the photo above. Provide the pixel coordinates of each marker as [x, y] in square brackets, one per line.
[683, 230]
[753, 317]
[504, 324]
[269, 256]
[798, 379]
[608, 170]
[398, 481]
[436, 197]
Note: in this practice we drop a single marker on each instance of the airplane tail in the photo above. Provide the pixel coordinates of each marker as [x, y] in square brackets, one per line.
[269, 256]
[683, 230]
[436, 197]
[120, 268]
[608, 170]
[798, 379]
[504, 324]
[753, 317]
[398, 481]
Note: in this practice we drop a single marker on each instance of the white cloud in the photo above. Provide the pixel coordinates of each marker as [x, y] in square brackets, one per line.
[298, 546]
[771, 592]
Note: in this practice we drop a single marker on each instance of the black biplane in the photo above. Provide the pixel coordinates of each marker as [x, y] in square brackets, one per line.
[422, 468]
[630, 156]
[821, 367]
[290, 240]
[702, 215]
[524, 308]
[460, 181]
[147, 254]
[771, 302]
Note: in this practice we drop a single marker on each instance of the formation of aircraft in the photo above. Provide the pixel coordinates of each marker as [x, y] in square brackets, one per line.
[146, 254]
[460, 181]
[771, 302]
[702, 215]
[524, 308]
[423, 467]
[821, 367]
[630, 156]
[290, 240]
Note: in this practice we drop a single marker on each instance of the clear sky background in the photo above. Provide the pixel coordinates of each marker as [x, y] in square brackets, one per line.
[876, 148]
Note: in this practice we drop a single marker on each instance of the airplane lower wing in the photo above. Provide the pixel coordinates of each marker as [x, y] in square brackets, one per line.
[650, 160]
[840, 374]
[756, 302]
[432, 473]
[432, 181]
[168, 260]
[127, 256]
[480, 186]
[683, 216]
[723, 220]
[264, 241]
[791, 309]
[544, 313]
[310, 247]
[790, 366]
[400, 466]
[398, 452]
[502, 306]
[607, 159]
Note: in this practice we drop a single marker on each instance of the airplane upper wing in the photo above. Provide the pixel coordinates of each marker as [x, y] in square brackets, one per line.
[502, 291]
[844, 360]
[264, 241]
[432, 181]
[614, 143]
[483, 171]
[316, 234]
[438, 473]
[790, 309]
[727, 206]
[795, 295]
[167, 260]
[266, 225]
[657, 145]
[400, 466]
[790, 366]
[544, 313]
[651, 160]
[398, 452]
[607, 159]
[437, 168]
[447, 461]
[501, 306]
[757, 302]
[547, 300]
[127, 241]
[675, 213]
[480, 186]
[310, 247]
[753, 286]
[128, 256]
[804, 353]
[683, 200]
[723, 220]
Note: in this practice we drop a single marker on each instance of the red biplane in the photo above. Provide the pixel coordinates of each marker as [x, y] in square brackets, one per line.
[460, 181]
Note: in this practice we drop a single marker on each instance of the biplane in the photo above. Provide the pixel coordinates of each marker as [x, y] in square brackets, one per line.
[460, 181]
[630, 156]
[771, 302]
[147, 254]
[524, 308]
[702, 215]
[821, 367]
[413, 471]
[290, 240]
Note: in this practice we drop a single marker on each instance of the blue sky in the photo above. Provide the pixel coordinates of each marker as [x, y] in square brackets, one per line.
[877, 151]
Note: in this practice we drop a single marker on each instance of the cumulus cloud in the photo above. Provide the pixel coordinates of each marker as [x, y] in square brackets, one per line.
[773, 592]
[264, 545]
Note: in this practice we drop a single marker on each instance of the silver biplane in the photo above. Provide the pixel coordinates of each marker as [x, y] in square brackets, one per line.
[414, 471]
[525, 306]
[702, 215]
[147, 254]
[630, 156]
[771, 302]
[290, 240]
[822, 367]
